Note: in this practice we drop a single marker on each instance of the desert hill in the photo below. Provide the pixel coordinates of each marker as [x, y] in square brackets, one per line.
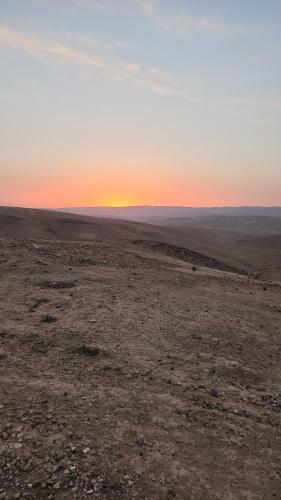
[125, 373]
[253, 224]
[246, 244]
[247, 238]
[31, 223]
[20, 223]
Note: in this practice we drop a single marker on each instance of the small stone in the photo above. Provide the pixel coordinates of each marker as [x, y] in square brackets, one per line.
[89, 350]
[17, 446]
[215, 393]
[48, 318]
[57, 485]
[86, 450]
[140, 442]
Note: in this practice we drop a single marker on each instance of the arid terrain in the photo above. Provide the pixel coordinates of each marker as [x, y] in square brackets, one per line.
[135, 363]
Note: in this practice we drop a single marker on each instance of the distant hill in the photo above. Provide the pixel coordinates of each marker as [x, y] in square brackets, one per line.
[143, 213]
[32, 224]
[249, 243]
[244, 223]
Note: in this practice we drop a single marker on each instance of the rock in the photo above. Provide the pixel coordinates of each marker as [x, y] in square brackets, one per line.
[57, 485]
[140, 442]
[59, 285]
[215, 393]
[48, 318]
[89, 350]
[17, 446]
[86, 450]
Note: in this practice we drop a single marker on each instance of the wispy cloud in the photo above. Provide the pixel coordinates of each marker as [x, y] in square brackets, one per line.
[92, 42]
[153, 79]
[170, 19]
[34, 46]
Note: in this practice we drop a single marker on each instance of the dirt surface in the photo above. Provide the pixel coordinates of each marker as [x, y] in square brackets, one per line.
[126, 374]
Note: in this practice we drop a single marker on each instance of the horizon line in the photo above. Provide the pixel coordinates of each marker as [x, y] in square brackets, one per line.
[140, 206]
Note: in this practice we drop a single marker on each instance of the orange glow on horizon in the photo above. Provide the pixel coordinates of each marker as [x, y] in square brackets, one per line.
[114, 187]
[118, 202]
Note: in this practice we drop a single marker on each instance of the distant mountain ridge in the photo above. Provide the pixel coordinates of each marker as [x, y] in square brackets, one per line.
[144, 212]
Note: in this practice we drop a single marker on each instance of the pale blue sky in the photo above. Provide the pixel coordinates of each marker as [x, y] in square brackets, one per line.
[140, 101]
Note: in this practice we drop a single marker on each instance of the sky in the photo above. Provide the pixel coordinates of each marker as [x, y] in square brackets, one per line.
[140, 102]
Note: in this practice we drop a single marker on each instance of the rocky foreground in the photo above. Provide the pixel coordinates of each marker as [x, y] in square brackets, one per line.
[126, 373]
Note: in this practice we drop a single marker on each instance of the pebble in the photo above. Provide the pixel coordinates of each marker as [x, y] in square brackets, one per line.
[215, 393]
[17, 446]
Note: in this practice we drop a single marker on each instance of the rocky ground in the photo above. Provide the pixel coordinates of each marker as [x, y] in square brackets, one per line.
[126, 374]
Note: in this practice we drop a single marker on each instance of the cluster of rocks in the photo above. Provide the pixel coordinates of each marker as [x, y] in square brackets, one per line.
[69, 471]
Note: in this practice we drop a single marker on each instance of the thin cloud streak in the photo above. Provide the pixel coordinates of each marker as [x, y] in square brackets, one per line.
[152, 79]
[183, 24]
[38, 48]
[92, 42]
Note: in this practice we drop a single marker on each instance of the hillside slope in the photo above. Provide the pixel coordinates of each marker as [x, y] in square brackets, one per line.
[46, 224]
[255, 251]
[126, 375]
[26, 224]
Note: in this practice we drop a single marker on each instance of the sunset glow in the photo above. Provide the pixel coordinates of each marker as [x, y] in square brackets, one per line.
[181, 110]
